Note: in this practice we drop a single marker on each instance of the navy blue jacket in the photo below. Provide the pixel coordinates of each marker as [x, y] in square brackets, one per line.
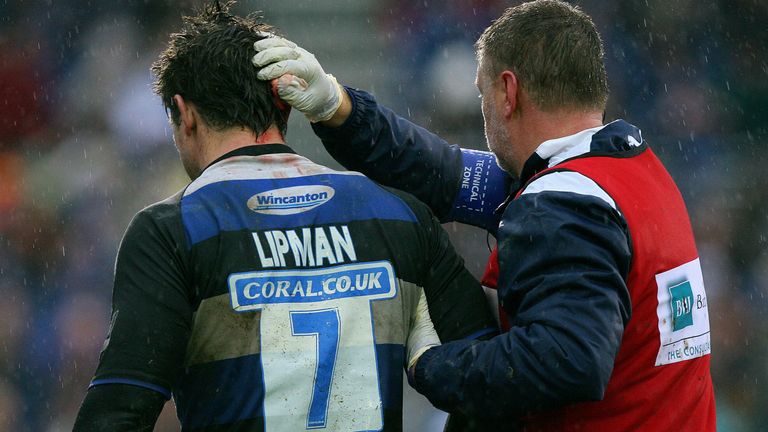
[564, 254]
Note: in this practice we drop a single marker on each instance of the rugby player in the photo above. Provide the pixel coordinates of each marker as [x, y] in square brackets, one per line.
[271, 293]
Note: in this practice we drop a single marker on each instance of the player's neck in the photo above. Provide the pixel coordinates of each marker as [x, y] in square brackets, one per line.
[223, 142]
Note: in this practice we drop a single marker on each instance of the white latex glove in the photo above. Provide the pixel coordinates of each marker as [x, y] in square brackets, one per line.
[422, 335]
[302, 82]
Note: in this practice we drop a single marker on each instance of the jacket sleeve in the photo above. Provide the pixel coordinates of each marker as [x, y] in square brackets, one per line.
[457, 184]
[564, 260]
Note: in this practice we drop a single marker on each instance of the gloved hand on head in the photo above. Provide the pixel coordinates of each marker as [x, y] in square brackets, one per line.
[301, 80]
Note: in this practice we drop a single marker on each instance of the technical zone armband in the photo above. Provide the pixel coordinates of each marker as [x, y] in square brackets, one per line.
[484, 186]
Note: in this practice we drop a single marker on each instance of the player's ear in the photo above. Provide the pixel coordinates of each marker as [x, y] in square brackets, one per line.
[510, 86]
[187, 115]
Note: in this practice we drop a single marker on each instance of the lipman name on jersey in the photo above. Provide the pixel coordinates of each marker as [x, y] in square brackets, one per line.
[309, 247]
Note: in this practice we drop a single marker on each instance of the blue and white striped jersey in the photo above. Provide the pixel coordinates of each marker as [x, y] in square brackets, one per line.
[277, 294]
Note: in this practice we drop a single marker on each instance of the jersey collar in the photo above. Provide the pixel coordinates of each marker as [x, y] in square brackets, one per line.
[254, 150]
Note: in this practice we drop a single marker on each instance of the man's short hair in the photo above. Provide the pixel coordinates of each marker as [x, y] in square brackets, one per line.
[554, 50]
[209, 64]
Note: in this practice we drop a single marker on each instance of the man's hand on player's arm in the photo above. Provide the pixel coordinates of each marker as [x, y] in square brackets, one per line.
[301, 81]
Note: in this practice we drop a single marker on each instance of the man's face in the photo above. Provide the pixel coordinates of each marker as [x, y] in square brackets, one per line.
[492, 99]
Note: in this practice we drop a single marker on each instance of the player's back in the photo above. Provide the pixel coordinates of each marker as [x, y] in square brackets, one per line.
[305, 281]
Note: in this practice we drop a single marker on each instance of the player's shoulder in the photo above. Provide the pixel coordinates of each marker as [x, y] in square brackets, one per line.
[163, 209]
[384, 201]
[419, 208]
[164, 215]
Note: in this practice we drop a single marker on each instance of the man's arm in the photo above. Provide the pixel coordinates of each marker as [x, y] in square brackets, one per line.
[458, 184]
[457, 303]
[151, 321]
[564, 259]
[119, 407]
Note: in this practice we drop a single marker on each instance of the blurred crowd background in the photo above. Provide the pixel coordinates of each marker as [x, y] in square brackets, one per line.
[84, 144]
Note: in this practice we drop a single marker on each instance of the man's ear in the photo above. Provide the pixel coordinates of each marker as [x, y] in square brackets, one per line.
[188, 117]
[511, 90]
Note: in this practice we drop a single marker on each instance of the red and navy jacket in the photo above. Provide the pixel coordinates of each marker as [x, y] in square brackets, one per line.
[596, 268]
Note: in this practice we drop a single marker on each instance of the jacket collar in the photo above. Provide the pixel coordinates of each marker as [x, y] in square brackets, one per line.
[613, 139]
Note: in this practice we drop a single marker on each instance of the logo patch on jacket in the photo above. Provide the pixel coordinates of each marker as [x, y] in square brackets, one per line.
[681, 303]
[683, 314]
[290, 200]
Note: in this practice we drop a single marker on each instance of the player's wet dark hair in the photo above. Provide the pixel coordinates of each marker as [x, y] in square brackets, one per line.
[555, 51]
[208, 63]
